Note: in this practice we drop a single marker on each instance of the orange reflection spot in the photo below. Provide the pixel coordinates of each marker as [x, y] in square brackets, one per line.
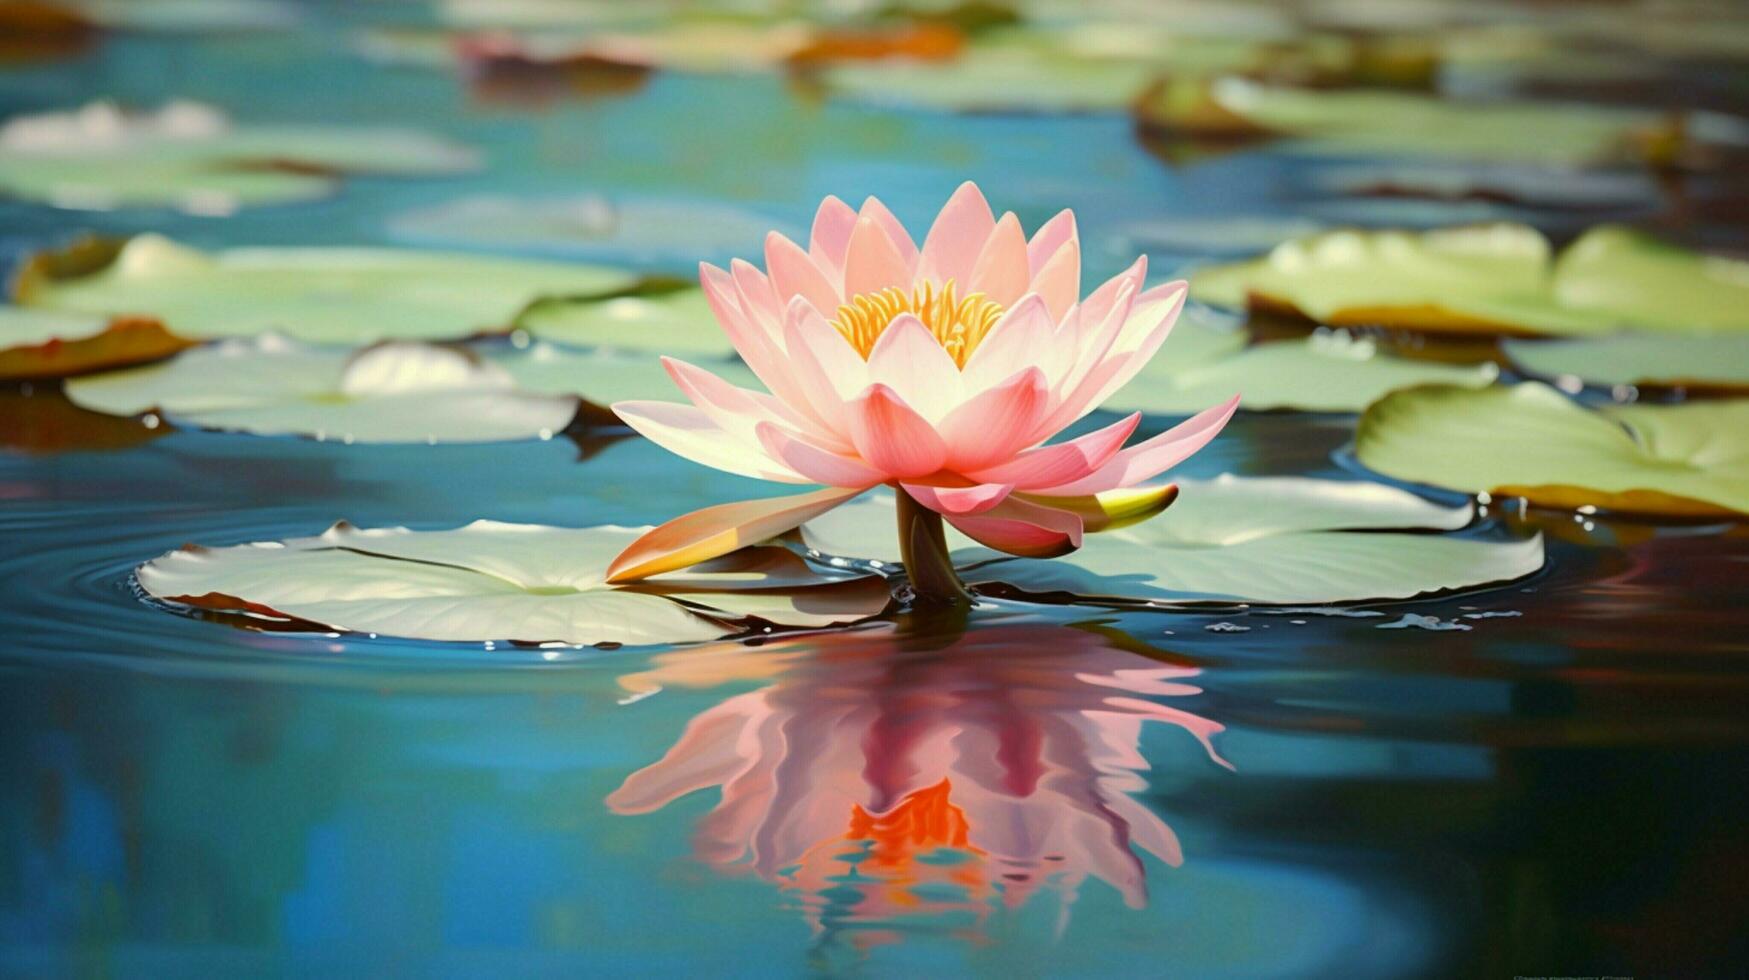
[922, 822]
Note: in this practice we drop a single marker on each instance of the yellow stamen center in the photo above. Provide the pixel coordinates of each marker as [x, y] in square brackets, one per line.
[959, 324]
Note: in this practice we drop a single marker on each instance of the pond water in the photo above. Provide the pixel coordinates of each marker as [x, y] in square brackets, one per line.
[1538, 778]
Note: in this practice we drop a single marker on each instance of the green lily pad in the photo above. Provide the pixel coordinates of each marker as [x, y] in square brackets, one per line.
[1325, 372]
[51, 344]
[1708, 362]
[1497, 278]
[1274, 541]
[1379, 122]
[677, 322]
[994, 81]
[189, 156]
[394, 392]
[321, 295]
[1530, 441]
[495, 581]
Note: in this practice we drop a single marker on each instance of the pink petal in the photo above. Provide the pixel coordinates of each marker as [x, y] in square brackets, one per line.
[757, 345]
[1059, 282]
[1149, 324]
[813, 462]
[1020, 528]
[872, 262]
[958, 500]
[895, 229]
[686, 431]
[716, 531]
[1050, 238]
[956, 238]
[1063, 462]
[1001, 272]
[908, 359]
[826, 370]
[793, 273]
[1149, 459]
[732, 409]
[758, 297]
[995, 423]
[1018, 339]
[830, 239]
[890, 436]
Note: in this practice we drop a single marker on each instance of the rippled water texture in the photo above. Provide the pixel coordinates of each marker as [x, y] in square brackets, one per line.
[1542, 778]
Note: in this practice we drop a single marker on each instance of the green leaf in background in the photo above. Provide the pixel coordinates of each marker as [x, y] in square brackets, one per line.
[1325, 372]
[394, 392]
[322, 295]
[675, 321]
[191, 157]
[495, 581]
[1379, 122]
[1704, 362]
[1531, 441]
[1497, 278]
[1278, 541]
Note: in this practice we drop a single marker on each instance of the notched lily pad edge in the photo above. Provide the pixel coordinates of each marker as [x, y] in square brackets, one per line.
[240, 613]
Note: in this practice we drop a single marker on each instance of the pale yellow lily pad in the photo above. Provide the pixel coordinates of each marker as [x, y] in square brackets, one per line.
[320, 295]
[1704, 363]
[1324, 372]
[1496, 279]
[1531, 441]
[495, 581]
[191, 157]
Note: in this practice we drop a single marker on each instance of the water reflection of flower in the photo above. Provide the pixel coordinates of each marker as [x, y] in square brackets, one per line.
[878, 784]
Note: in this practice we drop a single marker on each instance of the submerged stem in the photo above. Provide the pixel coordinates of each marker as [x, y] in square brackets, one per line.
[923, 549]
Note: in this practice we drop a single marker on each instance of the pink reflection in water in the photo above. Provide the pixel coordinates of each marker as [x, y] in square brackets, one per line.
[924, 781]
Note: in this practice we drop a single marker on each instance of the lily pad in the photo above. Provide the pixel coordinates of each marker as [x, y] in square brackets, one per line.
[393, 392]
[636, 230]
[1704, 363]
[1378, 122]
[322, 295]
[1497, 278]
[673, 321]
[1273, 541]
[1325, 372]
[495, 581]
[191, 157]
[995, 80]
[1530, 441]
[50, 344]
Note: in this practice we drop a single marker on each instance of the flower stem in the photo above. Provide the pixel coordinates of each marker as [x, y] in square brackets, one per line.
[923, 549]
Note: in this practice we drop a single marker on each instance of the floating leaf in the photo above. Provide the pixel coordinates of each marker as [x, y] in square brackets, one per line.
[189, 156]
[1531, 441]
[1708, 362]
[323, 295]
[1378, 122]
[495, 581]
[1325, 372]
[676, 321]
[995, 80]
[1499, 278]
[393, 392]
[636, 230]
[50, 344]
[396, 392]
[1278, 541]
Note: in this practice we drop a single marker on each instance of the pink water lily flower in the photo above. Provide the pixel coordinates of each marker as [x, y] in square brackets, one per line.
[942, 371]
